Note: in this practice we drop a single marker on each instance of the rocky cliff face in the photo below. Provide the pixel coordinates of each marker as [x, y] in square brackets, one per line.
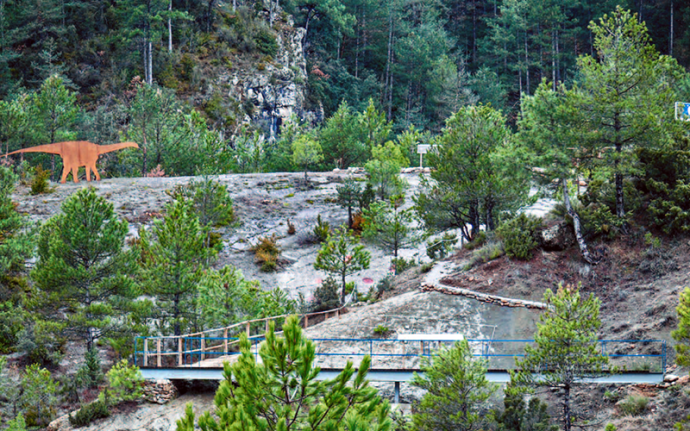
[273, 89]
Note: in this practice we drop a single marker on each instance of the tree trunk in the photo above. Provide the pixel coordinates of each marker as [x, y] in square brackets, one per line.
[526, 64]
[150, 63]
[566, 408]
[576, 224]
[620, 202]
[342, 295]
[489, 214]
[349, 216]
[176, 314]
[170, 27]
[670, 39]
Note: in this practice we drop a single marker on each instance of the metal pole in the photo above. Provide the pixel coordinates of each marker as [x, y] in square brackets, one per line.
[397, 392]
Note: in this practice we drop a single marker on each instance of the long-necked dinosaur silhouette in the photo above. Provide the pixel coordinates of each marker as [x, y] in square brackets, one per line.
[75, 154]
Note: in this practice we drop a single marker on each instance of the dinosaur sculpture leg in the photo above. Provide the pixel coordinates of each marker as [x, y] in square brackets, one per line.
[75, 173]
[88, 172]
[65, 172]
[95, 171]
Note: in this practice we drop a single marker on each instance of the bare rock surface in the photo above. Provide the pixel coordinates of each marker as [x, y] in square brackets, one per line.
[147, 417]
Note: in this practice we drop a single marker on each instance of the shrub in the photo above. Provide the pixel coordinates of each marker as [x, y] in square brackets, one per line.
[426, 267]
[633, 405]
[490, 251]
[402, 265]
[520, 236]
[266, 253]
[439, 248]
[266, 42]
[326, 296]
[477, 242]
[384, 285]
[322, 229]
[124, 383]
[90, 412]
[612, 397]
[358, 222]
[39, 182]
[381, 331]
[90, 374]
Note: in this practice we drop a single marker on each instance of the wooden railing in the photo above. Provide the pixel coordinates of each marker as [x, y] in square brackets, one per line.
[195, 347]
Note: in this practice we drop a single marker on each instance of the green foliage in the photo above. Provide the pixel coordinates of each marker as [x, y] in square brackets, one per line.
[284, 381]
[633, 405]
[17, 424]
[439, 248]
[566, 348]
[475, 175]
[341, 255]
[267, 252]
[90, 374]
[390, 226]
[82, 265]
[381, 331]
[384, 169]
[384, 285]
[518, 415]
[349, 196]
[322, 229]
[15, 244]
[401, 264]
[39, 182]
[326, 296]
[89, 413]
[520, 235]
[172, 258]
[682, 333]
[124, 384]
[266, 42]
[610, 427]
[226, 297]
[489, 251]
[306, 152]
[456, 391]
[38, 396]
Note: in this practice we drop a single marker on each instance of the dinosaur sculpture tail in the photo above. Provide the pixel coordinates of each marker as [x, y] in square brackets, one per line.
[48, 148]
[102, 149]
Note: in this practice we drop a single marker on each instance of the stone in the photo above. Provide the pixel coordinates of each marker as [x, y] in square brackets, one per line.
[670, 378]
[557, 237]
[160, 391]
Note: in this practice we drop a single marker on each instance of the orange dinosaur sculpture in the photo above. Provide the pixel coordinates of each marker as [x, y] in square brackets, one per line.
[75, 154]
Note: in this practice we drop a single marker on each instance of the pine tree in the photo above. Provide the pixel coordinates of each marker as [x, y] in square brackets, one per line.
[15, 243]
[306, 153]
[682, 334]
[383, 169]
[38, 395]
[281, 391]
[340, 255]
[349, 195]
[83, 266]
[551, 130]
[457, 391]
[627, 92]
[172, 258]
[566, 348]
[388, 224]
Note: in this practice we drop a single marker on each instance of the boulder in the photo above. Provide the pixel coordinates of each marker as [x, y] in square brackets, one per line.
[670, 378]
[557, 237]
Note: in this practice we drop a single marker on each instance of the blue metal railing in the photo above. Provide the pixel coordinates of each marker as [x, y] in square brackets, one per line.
[497, 352]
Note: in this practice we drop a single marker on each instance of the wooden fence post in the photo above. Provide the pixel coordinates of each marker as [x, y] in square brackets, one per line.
[306, 321]
[146, 352]
[248, 329]
[267, 324]
[179, 351]
[158, 352]
[203, 346]
[225, 341]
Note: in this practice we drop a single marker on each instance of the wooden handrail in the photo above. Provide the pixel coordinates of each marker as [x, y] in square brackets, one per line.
[225, 343]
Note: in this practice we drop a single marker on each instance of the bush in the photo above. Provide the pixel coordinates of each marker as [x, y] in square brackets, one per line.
[477, 242]
[382, 331]
[439, 248]
[384, 285]
[124, 383]
[267, 252]
[327, 296]
[402, 265]
[520, 236]
[39, 182]
[426, 267]
[633, 405]
[266, 42]
[492, 250]
[322, 229]
[90, 412]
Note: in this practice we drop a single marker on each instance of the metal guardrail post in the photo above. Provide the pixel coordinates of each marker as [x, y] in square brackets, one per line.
[203, 347]
[663, 358]
[136, 342]
[397, 393]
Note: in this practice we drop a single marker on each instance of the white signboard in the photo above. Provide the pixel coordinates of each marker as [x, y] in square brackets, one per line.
[423, 148]
[682, 111]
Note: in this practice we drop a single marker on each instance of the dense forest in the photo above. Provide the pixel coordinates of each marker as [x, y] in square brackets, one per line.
[417, 61]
